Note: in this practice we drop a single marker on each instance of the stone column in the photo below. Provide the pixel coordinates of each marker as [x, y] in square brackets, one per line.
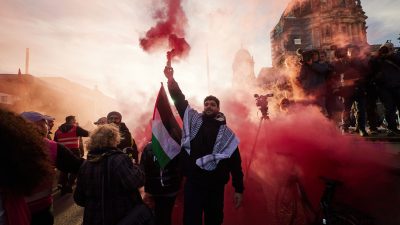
[361, 32]
[350, 32]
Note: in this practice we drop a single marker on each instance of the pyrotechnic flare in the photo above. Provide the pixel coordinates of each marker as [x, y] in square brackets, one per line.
[169, 30]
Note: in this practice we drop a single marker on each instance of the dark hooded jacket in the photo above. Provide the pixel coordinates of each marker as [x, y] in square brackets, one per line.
[113, 172]
[160, 181]
[386, 71]
[311, 80]
[126, 137]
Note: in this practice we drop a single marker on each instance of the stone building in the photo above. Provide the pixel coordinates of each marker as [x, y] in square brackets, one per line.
[317, 24]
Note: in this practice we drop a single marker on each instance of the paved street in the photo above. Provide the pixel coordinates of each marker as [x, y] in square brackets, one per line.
[66, 211]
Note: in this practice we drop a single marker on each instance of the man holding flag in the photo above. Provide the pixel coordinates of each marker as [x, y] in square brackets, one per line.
[160, 162]
[210, 154]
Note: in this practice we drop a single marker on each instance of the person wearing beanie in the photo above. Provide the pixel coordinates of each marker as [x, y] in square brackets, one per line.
[127, 143]
[101, 121]
[69, 134]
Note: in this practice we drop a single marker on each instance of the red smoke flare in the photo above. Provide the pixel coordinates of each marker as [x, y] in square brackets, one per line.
[304, 142]
[169, 30]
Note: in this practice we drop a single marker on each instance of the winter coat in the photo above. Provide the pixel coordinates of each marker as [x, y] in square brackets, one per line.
[160, 181]
[202, 145]
[386, 71]
[107, 186]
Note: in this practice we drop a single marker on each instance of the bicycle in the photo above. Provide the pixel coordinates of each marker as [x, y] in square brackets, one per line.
[293, 206]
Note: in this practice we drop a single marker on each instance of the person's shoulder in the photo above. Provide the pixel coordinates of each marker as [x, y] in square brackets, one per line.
[118, 155]
[123, 127]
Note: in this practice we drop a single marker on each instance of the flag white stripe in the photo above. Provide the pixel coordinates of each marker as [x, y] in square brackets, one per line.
[168, 144]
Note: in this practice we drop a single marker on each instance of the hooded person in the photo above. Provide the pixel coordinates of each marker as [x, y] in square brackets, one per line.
[386, 74]
[69, 134]
[127, 143]
[41, 201]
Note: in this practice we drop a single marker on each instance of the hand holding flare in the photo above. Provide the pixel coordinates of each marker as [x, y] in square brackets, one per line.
[168, 70]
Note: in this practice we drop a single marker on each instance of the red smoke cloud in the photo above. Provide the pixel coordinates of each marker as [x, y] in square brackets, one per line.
[303, 142]
[169, 31]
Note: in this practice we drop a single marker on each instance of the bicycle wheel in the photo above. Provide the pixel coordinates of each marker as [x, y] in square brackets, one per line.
[286, 204]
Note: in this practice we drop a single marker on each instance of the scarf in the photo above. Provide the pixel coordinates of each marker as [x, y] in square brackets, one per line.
[225, 144]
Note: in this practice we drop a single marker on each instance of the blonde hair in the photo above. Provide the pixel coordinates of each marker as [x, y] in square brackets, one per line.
[104, 136]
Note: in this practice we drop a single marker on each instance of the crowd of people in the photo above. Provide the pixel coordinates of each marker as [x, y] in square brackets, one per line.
[353, 83]
[108, 180]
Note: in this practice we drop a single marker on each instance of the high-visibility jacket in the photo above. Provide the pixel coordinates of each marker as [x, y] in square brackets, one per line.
[69, 139]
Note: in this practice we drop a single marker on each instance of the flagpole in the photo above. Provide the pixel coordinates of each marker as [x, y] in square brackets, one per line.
[208, 71]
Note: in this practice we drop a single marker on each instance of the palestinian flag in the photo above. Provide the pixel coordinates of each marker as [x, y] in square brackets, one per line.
[166, 133]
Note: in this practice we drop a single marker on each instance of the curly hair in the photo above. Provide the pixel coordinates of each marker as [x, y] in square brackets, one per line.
[104, 136]
[24, 161]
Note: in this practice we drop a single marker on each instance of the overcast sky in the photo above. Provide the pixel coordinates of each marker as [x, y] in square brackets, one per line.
[96, 42]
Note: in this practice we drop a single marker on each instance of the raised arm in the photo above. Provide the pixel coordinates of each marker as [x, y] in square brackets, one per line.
[176, 94]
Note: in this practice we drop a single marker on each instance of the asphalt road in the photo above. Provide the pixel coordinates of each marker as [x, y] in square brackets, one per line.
[66, 212]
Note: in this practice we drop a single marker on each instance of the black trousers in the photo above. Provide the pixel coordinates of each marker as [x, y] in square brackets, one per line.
[68, 179]
[163, 209]
[358, 97]
[199, 200]
[390, 98]
[371, 108]
[44, 217]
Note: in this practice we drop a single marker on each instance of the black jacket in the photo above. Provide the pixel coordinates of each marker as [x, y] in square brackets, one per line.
[126, 137]
[202, 145]
[160, 181]
[107, 181]
[386, 71]
[66, 161]
[312, 78]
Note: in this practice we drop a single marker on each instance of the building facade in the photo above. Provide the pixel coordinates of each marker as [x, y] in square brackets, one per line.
[317, 24]
[243, 69]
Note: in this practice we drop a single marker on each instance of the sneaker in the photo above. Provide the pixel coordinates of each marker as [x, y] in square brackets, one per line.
[363, 133]
[373, 131]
